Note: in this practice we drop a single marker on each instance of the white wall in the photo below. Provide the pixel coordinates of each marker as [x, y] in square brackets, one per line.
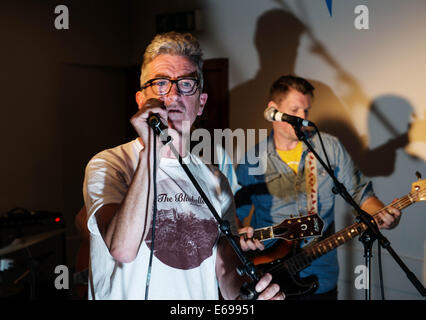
[369, 89]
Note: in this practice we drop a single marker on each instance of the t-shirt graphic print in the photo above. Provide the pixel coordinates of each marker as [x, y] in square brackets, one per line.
[185, 230]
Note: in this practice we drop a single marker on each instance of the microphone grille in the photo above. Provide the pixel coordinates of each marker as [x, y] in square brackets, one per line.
[269, 113]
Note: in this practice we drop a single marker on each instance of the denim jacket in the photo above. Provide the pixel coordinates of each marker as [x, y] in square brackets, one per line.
[277, 192]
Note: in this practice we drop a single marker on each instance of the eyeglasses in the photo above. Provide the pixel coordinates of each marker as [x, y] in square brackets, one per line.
[162, 86]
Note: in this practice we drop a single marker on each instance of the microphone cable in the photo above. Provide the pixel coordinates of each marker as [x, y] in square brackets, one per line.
[322, 145]
[154, 215]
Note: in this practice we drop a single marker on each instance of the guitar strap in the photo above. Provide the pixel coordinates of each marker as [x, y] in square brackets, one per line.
[312, 194]
[311, 184]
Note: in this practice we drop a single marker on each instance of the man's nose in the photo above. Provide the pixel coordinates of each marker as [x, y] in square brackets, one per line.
[301, 114]
[174, 89]
[172, 96]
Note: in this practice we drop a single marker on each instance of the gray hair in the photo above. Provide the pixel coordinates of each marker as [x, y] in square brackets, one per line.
[174, 43]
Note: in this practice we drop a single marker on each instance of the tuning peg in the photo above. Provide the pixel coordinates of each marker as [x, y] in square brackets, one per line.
[418, 175]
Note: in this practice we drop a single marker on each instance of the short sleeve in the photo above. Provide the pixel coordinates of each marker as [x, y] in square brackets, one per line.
[104, 183]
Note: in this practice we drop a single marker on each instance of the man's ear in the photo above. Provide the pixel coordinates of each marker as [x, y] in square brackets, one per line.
[203, 101]
[272, 103]
[140, 99]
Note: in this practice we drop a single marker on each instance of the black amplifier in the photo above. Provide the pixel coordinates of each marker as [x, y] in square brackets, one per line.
[32, 245]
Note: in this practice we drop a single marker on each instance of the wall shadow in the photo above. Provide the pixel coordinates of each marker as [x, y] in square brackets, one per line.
[276, 39]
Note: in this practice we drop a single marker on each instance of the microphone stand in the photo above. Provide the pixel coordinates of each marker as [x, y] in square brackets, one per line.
[372, 233]
[247, 291]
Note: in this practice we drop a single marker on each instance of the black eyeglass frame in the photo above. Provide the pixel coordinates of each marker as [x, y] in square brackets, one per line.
[194, 89]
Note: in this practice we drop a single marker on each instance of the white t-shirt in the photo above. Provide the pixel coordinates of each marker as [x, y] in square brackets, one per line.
[186, 232]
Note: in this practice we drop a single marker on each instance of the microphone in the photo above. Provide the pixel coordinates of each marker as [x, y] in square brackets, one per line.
[272, 114]
[159, 128]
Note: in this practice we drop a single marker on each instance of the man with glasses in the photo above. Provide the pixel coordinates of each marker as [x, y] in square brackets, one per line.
[182, 256]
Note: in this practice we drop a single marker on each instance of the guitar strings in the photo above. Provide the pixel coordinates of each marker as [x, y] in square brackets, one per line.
[404, 201]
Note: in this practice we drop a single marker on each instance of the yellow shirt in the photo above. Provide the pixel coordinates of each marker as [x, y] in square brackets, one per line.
[292, 157]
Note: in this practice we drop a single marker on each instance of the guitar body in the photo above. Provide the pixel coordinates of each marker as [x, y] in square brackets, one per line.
[284, 260]
[280, 249]
[295, 287]
[291, 284]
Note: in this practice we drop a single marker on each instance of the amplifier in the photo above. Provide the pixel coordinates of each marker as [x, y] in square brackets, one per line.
[32, 244]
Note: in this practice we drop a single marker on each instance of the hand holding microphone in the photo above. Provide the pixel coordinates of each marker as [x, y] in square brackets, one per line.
[154, 120]
[151, 117]
[159, 128]
[152, 114]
